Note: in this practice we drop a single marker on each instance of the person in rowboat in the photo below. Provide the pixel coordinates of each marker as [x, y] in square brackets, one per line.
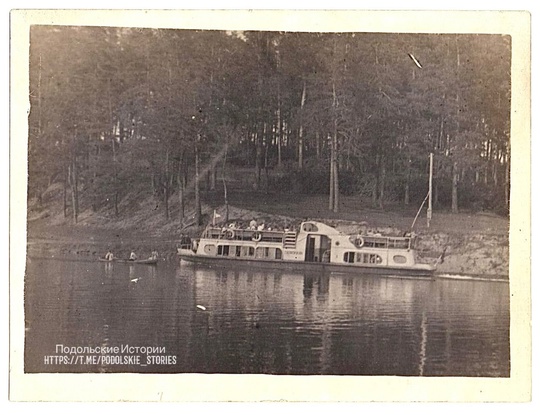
[133, 256]
[109, 256]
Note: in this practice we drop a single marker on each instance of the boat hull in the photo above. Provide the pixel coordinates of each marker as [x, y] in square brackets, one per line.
[420, 270]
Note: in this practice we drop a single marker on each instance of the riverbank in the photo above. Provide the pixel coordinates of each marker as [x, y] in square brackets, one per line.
[470, 244]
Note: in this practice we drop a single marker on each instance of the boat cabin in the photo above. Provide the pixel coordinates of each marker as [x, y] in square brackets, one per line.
[313, 242]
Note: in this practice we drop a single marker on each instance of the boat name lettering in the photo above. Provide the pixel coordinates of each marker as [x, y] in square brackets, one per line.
[294, 252]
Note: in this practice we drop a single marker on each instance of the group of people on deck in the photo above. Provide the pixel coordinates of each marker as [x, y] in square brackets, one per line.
[253, 225]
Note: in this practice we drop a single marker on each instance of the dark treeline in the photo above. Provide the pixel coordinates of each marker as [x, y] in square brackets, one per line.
[116, 110]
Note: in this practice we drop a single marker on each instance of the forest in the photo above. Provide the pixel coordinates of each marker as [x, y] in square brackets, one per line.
[173, 113]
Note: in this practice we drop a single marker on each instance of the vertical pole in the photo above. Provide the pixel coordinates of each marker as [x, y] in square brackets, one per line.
[430, 206]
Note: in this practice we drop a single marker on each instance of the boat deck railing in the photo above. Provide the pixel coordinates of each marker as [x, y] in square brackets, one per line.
[234, 234]
[383, 242]
[289, 238]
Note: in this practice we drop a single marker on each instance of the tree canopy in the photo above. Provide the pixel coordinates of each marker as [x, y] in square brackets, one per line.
[121, 109]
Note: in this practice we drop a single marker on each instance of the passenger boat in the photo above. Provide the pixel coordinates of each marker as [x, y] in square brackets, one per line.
[313, 245]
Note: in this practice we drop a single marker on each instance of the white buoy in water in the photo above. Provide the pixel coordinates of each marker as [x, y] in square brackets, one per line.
[134, 280]
[201, 307]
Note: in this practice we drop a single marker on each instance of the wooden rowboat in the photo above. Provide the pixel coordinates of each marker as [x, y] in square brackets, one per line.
[149, 261]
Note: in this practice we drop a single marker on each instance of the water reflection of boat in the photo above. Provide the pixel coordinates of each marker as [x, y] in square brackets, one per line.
[314, 246]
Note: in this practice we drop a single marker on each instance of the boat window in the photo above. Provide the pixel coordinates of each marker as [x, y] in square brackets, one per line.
[238, 250]
[398, 243]
[210, 249]
[279, 254]
[368, 258]
[348, 257]
[400, 259]
[375, 242]
[223, 250]
[247, 251]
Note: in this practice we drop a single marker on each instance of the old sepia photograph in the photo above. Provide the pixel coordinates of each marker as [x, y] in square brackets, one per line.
[269, 201]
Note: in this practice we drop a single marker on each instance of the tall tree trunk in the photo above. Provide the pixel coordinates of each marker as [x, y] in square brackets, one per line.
[336, 180]
[301, 130]
[266, 172]
[495, 164]
[74, 180]
[74, 193]
[258, 156]
[375, 190]
[488, 162]
[181, 188]
[213, 175]
[198, 210]
[279, 152]
[115, 177]
[382, 183]
[455, 170]
[455, 180]
[331, 193]
[166, 184]
[279, 127]
[225, 194]
[335, 152]
[66, 180]
[407, 183]
[113, 141]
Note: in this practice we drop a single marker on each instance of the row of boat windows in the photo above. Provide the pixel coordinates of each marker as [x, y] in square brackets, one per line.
[361, 257]
[364, 258]
[246, 251]
[381, 242]
[244, 235]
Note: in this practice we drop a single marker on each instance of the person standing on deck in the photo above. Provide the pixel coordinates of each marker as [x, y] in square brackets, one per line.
[253, 225]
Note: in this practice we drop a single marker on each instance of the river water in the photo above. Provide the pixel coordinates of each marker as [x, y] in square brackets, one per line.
[96, 317]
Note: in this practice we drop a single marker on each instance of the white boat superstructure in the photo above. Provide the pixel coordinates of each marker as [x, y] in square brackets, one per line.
[313, 243]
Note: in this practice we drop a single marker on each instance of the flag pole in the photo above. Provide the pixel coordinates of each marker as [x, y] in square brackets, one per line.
[430, 204]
